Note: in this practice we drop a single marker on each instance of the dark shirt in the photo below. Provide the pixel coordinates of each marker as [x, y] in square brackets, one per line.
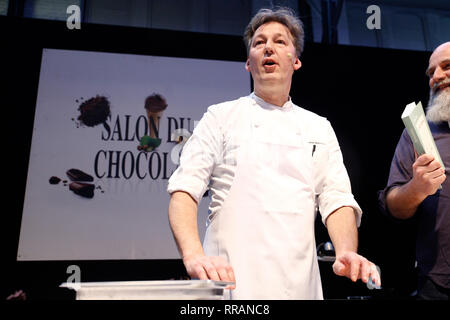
[433, 214]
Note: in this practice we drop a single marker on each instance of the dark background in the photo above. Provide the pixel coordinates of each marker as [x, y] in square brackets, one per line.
[362, 91]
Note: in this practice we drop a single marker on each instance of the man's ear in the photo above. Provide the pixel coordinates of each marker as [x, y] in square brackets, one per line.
[247, 65]
[297, 64]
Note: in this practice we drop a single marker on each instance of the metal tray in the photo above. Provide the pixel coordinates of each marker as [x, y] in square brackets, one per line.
[150, 290]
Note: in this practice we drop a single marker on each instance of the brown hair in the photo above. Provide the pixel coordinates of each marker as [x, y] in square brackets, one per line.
[285, 16]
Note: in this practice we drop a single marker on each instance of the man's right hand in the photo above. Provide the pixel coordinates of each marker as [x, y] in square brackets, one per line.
[183, 222]
[214, 268]
[428, 175]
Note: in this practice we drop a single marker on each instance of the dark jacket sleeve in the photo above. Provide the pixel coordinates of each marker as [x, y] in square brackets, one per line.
[401, 169]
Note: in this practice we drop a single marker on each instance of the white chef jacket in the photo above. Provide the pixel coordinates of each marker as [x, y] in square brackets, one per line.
[208, 158]
[269, 169]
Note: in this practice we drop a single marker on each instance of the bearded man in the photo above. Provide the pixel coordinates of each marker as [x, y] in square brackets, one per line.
[413, 185]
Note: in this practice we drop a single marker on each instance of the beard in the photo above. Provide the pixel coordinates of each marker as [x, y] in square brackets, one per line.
[438, 109]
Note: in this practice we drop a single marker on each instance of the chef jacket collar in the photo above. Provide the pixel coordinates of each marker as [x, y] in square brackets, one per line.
[286, 107]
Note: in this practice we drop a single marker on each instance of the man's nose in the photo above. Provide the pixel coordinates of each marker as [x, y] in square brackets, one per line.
[268, 49]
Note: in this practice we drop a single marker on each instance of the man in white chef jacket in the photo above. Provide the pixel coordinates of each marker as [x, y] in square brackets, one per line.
[269, 165]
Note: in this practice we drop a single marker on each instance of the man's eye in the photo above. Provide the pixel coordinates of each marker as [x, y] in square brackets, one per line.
[258, 42]
[281, 41]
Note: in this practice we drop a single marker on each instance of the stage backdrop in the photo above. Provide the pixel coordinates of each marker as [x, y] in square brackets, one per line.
[90, 117]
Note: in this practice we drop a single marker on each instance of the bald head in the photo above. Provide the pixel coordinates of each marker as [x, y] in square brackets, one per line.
[442, 46]
[439, 66]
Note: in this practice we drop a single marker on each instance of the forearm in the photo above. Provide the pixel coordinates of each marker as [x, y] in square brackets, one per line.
[428, 175]
[183, 222]
[403, 201]
[341, 225]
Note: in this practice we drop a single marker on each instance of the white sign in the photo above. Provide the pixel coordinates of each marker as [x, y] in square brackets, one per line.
[89, 122]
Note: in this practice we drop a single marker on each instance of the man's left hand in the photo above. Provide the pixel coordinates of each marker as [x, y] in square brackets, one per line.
[354, 266]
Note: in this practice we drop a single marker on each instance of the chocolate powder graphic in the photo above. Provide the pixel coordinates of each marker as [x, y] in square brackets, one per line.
[94, 111]
[54, 180]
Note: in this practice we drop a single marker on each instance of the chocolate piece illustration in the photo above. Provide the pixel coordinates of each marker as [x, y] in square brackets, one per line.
[82, 189]
[78, 175]
[79, 183]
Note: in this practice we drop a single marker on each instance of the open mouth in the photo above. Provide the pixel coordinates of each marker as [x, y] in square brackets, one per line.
[269, 65]
[269, 62]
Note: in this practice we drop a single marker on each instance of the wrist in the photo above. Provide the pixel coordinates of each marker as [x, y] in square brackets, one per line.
[191, 254]
[415, 191]
[343, 252]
